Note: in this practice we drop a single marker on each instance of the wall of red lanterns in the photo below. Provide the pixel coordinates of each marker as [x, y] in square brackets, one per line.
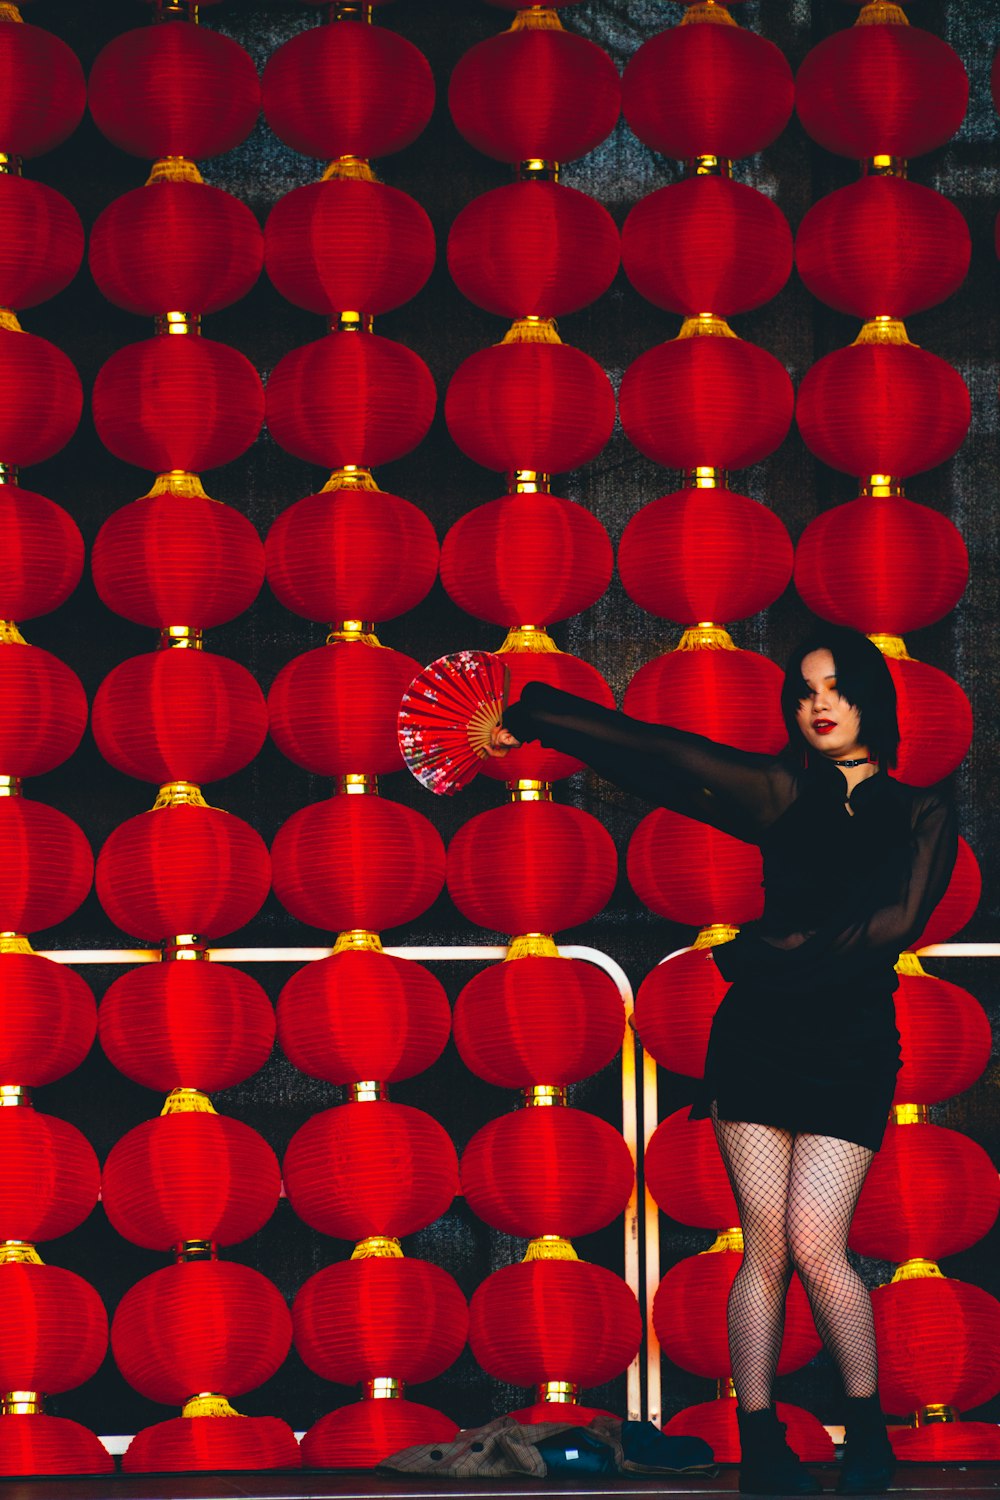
[202, 1330]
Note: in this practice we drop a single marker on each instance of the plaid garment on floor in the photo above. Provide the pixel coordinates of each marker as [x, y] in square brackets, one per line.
[506, 1447]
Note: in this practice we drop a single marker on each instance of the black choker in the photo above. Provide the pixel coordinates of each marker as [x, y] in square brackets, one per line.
[865, 760]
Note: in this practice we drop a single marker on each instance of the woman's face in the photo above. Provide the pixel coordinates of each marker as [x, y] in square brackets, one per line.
[828, 723]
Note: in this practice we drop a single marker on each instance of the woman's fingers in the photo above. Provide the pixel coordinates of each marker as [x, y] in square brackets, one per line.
[501, 740]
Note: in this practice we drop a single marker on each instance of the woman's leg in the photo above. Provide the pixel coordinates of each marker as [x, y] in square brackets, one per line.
[758, 1160]
[826, 1178]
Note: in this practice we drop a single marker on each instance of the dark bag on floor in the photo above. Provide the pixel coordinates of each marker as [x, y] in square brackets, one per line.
[577, 1451]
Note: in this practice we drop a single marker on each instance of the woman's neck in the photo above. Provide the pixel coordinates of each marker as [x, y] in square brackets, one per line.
[856, 765]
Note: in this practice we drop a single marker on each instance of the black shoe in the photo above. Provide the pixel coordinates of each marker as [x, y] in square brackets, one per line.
[868, 1463]
[767, 1464]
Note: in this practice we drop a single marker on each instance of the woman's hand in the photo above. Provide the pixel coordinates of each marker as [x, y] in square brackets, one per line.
[501, 740]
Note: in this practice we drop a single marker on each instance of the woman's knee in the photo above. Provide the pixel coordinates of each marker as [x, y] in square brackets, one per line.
[768, 1264]
[816, 1256]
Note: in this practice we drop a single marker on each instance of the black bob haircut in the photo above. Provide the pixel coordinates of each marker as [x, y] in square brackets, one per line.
[863, 678]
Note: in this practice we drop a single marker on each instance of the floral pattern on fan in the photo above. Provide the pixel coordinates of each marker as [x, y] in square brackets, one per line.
[447, 715]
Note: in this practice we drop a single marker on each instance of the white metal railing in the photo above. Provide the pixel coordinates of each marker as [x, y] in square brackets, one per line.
[638, 1080]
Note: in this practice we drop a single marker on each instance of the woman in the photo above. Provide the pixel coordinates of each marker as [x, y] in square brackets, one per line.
[804, 1050]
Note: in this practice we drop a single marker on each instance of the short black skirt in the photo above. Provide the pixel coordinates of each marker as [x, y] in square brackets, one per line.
[822, 1063]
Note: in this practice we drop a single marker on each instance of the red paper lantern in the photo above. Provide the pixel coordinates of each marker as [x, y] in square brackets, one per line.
[357, 862]
[730, 696]
[43, 242]
[42, 557]
[947, 1442]
[53, 1328]
[707, 244]
[191, 1176]
[704, 555]
[935, 722]
[333, 710]
[350, 398]
[358, 1015]
[715, 1422]
[547, 407]
[49, 1177]
[175, 246]
[186, 1025]
[361, 1435]
[42, 90]
[559, 669]
[883, 409]
[689, 1315]
[554, 1320]
[182, 869]
[516, 250]
[45, 710]
[46, 866]
[685, 1173]
[534, 93]
[179, 715]
[178, 559]
[177, 403]
[694, 874]
[356, 1320]
[41, 397]
[713, 402]
[545, 1411]
[958, 903]
[347, 89]
[892, 90]
[944, 1038]
[937, 1344]
[370, 1169]
[700, 90]
[531, 867]
[174, 90]
[910, 570]
[547, 1171]
[47, 1019]
[204, 1325]
[187, 1445]
[924, 248]
[674, 1009]
[538, 1020]
[489, 571]
[347, 244]
[930, 1192]
[351, 555]
[39, 1444]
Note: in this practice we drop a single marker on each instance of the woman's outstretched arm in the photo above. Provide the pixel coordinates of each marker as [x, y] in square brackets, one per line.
[735, 790]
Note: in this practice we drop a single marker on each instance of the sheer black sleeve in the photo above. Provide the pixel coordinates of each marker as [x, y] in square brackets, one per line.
[888, 910]
[735, 790]
[904, 892]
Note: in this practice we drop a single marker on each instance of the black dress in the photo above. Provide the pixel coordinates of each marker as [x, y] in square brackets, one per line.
[805, 1038]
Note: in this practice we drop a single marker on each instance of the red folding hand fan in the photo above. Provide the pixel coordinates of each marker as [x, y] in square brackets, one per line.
[448, 714]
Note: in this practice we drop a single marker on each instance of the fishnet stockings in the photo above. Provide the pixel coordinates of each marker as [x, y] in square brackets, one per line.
[796, 1196]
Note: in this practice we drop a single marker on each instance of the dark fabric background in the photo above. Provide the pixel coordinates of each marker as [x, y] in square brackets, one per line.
[444, 174]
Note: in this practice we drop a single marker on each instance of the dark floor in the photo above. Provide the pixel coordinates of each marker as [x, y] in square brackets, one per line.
[913, 1482]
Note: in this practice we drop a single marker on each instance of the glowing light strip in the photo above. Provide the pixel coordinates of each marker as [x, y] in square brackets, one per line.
[637, 1238]
[629, 1101]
